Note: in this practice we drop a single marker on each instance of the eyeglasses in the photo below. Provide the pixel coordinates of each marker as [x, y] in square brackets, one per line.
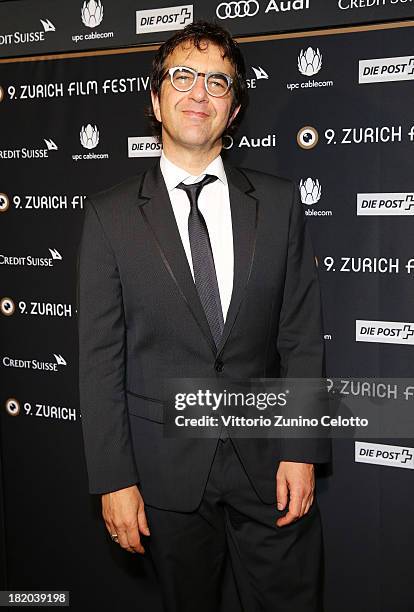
[217, 84]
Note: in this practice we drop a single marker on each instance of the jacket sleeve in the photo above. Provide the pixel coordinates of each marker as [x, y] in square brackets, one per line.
[101, 330]
[300, 338]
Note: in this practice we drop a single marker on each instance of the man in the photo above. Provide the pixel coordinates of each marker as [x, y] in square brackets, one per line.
[212, 281]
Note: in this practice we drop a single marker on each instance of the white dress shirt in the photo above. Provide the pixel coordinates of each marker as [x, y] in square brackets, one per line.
[214, 204]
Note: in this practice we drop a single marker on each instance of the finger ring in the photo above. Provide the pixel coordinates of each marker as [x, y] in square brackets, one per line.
[114, 536]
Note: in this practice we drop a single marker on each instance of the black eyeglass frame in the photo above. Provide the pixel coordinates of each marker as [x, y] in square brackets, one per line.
[196, 74]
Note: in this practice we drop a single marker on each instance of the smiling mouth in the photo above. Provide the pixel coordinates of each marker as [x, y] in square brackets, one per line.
[195, 114]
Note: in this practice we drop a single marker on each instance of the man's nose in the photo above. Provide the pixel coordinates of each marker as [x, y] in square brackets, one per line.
[198, 91]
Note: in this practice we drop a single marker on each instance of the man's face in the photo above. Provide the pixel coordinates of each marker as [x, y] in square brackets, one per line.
[194, 118]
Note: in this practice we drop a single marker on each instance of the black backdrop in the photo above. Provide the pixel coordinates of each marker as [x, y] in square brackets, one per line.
[55, 537]
[68, 26]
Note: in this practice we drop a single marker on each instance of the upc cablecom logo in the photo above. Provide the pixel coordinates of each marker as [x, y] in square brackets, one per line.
[309, 61]
[92, 13]
[92, 16]
[390, 332]
[310, 190]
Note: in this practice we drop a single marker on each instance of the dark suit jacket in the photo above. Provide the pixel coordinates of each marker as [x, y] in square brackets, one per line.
[140, 322]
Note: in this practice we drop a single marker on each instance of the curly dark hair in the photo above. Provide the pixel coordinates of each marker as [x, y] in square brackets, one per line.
[198, 32]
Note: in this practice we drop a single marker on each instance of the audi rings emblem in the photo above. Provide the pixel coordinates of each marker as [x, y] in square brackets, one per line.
[229, 143]
[244, 8]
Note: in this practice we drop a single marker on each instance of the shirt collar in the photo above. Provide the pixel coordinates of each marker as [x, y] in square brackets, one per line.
[174, 174]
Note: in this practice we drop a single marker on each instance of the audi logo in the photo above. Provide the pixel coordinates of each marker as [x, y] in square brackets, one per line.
[244, 8]
[230, 141]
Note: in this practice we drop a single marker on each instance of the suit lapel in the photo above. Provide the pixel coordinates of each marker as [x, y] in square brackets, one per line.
[155, 207]
[244, 215]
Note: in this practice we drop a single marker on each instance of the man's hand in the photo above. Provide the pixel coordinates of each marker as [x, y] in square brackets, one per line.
[296, 480]
[124, 514]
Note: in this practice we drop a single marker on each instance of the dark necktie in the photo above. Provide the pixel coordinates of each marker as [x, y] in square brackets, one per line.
[203, 263]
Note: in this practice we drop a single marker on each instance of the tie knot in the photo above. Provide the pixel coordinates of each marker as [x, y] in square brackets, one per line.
[194, 189]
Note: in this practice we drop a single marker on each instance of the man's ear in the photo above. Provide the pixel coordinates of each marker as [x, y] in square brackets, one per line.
[232, 116]
[156, 105]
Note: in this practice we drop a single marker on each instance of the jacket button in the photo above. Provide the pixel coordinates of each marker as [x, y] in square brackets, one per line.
[219, 365]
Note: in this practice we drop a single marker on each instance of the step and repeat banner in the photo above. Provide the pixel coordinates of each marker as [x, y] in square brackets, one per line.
[28, 27]
[334, 113]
